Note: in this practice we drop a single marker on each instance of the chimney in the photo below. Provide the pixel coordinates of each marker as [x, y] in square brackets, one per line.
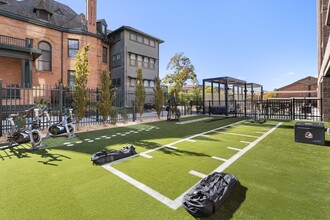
[91, 15]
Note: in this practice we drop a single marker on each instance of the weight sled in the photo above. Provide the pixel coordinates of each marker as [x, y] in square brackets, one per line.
[209, 194]
[103, 157]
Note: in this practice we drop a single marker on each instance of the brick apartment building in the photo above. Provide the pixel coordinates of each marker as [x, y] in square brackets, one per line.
[39, 40]
[323, 31]
[302, 88]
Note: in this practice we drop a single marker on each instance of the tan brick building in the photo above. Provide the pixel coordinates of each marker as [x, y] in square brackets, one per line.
[302, 88]
[40, 38]
[323, 31]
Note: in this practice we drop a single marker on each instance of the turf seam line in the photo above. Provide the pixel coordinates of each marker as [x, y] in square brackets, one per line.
[226, 164]
[243, 135]
[189, 138]
[198, 174]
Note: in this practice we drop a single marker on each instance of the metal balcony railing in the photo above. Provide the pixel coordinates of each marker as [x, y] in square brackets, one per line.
[13, 41]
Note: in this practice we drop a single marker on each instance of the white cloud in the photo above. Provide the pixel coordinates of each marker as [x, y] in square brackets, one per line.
[289, 74]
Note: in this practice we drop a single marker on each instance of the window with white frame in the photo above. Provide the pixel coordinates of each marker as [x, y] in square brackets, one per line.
[152, 63]
[145, 62]
[140, 39]
[146, 83]
[139, 61]
[133, 36]
[152, 83]
[133, 59]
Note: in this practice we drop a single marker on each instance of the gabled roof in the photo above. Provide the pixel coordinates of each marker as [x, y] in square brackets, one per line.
[309, 80]
[62, 15]
[122, 28]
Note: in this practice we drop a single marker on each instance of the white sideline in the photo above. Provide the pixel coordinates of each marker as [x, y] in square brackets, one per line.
[246, 142]
[242, 135]
[198, 174]
[160, 197]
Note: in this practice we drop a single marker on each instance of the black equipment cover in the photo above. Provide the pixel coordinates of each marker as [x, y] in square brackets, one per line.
[209, 194]
[103, 157]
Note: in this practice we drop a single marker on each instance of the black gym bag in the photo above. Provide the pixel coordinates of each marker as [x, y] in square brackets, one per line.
[104, 156]
[209, 194]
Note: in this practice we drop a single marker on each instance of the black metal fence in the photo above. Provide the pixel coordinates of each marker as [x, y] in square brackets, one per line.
[283, 109]
[14, 99]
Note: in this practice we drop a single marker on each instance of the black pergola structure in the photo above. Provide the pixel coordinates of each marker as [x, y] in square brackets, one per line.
[231, 94]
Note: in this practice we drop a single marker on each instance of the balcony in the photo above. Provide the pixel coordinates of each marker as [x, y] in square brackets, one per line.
[13, 41]
[18, 48]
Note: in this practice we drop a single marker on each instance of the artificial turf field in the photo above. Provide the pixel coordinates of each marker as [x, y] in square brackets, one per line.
[279, 178]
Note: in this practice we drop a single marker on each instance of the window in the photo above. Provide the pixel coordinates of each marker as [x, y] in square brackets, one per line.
[104, 29]
[105, 55]
[45, 60]
[152, 63]
[132, 82]
[145, 62]
[12, 91]
[71, 78]
[133, 59]
[118, 56]
[146, 41]
[42, 14]
[133, 37]
[139, 61]
[146, 83]
[117, 83]
[152, 43]
[139, 39]
[73, 47]
[152, 84]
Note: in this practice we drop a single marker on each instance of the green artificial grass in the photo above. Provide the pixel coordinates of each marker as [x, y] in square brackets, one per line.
[279, 178]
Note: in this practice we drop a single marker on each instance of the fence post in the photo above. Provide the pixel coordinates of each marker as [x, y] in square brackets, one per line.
[191, 107]
[321, 107]
[293, 109]
[61, 101]
[97, 106]
[0, 107]
[209, 107]
[134, 112]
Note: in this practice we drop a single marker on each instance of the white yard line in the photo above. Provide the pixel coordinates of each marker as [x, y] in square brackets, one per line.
[219, 158]
[198, 174]
[226, 164]
[258, 132]
[144, 154]
[192, 121]
[246, 142]
[233, 148]
[175, 204]
[191, 141]
[242, 135]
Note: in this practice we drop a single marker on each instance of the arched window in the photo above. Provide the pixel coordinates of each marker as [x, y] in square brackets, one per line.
[45, 60]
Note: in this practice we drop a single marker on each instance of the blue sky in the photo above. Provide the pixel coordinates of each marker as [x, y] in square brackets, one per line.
[270, 42]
